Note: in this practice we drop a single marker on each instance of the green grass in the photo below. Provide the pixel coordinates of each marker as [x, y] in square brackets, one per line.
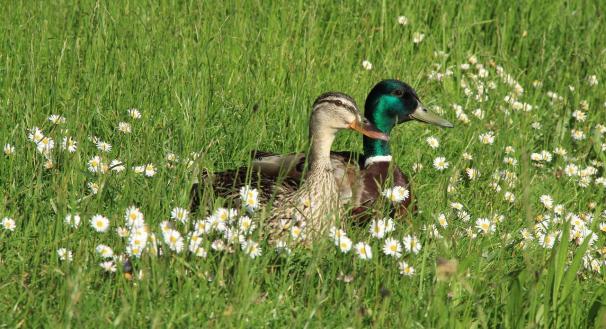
[222, 78]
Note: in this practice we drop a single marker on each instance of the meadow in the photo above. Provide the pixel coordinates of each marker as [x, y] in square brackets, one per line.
[108, 107]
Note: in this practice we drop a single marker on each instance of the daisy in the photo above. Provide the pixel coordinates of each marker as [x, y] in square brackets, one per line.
[336, 234]
[65, 254]
[396, 194]
[8, 150]
[456, 205]
[124, 127]
[442, 220]
[252, 249]
[93, 187]
[45, 145]
[246, 225]
[104, 251]
[8, 224]
[547, 201]
[390, 226]
[433, 142]
[367, 65]
[472, 173]
[69, 144]
[180, 214]
[250, 197]
[363, 250]
[122, 232]
[100, 223]
[139, 169]
[577, 135]
[440, 163]
[592, 80]
[104, 147]
[485, 226]
[417, 167]
[72, 220]
[35, 135]
[418, 37]
[133, 217]
[546, 240]
[402, 20]
[487, 138]
[406, 269]
[200, 252]
[377, 228]
[194, 242]
[296, 233]
[344, 244]
[116, 166]
[412, 244]
[579, 115]
[56, 119]
[150, 170]
[510, 197]
[108, 266]
[134, 113]
[392, 247]
[174, 240]
[94, 164]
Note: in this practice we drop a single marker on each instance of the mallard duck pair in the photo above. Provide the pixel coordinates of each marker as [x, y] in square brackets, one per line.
[330, 178]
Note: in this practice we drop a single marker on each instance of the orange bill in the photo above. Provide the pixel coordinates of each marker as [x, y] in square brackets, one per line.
[368, 129]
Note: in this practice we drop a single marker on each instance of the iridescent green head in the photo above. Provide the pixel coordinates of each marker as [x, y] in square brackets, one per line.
[391, 102]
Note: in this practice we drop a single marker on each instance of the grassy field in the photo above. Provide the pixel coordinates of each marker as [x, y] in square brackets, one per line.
[522, 81]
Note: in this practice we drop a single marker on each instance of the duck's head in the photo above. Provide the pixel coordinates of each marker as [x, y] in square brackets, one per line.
[391, 102]
[334, 111]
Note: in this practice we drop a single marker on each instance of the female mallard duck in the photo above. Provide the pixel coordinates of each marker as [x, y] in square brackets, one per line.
[362, 178]
[315, 203]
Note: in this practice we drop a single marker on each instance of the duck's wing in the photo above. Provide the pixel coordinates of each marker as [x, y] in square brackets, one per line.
[373, 180]
[227, 184]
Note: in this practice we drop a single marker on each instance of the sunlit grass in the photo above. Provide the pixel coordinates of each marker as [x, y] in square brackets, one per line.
[220, 79]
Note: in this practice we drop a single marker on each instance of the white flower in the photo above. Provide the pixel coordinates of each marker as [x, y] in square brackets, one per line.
[485, 226]
[69, 144]
[100, 223]
[35, 135]
[547, 201]
[418, 37]
[134, 217]
[592, 80]
[65, 254]
[442, 220]
[363, 250]
[510, 197]
[8, 224]
[377, 228]
[150, 170]
[94, 164]
[402, 20]
[579, 115]
[577, 135]
[72, 220]
[108, 266]
[440, 163]
[487, 138]
[367, 65]
[396, 194]
[246, 225]
[103, 146]
[406, 269]
[433, 142]
[546, 240]
[122, 232]
[252, 249]
[124, 127]
[174, 240]
[56, 119]
[392, 247]
[45, 145]
[8, 150]
[104, 251]
[336, 234]
[134, 113]
[180, 214]
[412, 244]
[472, 173]
[116, 166]
[250, 197]
[344, 244]
[94, 187]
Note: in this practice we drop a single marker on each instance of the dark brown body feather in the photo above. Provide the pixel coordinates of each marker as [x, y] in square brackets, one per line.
[274, 174]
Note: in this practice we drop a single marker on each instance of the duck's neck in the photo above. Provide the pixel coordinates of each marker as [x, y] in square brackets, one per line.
[319, 153]
[377, 147]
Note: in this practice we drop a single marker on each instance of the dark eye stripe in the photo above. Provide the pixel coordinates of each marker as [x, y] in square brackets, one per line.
[337, 102]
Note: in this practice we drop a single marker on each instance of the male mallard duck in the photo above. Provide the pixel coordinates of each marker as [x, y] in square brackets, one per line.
[362, 178]
[316, 202]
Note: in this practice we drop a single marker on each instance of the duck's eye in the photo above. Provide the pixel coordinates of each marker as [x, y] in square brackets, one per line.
[398, 93]
[339, 103]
